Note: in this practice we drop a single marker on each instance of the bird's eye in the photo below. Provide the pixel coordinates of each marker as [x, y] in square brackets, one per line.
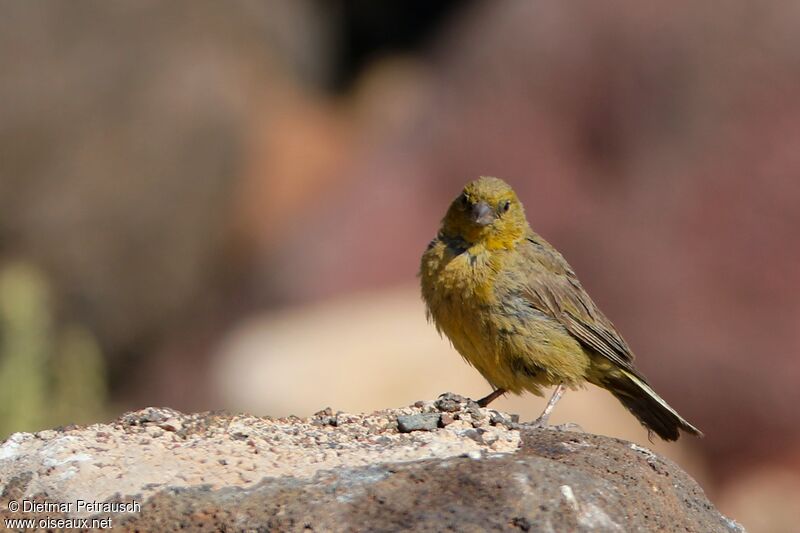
[464, 201]
[506, 205]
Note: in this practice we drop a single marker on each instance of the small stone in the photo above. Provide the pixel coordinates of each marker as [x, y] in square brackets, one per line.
[342, 419]
[473, 434]
[449, 402]
[459, 425]
[420, 422]
[327, 412]
[324, 421]
[326, 417]
[499, 419]
[474, 410]
[488, 437]
[522, 523]
[171, 424]
[447, 419]
[149, 414]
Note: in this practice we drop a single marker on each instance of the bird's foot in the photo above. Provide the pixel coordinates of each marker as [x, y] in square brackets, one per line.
[486, 400]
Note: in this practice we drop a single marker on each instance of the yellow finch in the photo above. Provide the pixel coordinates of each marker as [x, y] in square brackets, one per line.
[514, 309]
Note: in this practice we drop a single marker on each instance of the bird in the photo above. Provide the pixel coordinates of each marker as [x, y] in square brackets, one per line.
[515, 310]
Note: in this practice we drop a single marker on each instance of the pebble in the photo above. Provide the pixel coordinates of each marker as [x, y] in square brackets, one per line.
[420, 422]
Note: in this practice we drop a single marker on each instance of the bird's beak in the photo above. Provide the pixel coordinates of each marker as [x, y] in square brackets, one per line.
[482, 214]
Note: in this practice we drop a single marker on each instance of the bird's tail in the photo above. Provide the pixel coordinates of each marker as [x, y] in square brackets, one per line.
[651, 410]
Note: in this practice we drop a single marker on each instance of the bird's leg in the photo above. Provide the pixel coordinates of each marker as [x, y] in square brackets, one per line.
[486, 400]
[551, 404]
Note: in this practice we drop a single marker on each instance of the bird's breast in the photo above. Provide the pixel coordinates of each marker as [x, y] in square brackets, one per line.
[458, 288]
[462, 278]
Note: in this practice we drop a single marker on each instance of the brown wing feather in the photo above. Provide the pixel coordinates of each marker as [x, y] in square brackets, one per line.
[552, 287]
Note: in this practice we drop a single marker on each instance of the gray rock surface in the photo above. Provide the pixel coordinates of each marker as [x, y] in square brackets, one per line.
[473, 470]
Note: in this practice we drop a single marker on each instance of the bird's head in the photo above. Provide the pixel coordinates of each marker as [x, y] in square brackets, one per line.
[486, 212]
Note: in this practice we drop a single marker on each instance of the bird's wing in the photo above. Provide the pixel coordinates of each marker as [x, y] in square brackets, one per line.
[550, 286]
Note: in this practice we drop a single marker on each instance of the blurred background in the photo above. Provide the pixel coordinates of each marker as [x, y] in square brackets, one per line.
[211, 205]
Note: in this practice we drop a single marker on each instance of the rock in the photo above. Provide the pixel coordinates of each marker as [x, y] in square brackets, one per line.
[239, 472]
[420, 422]
[449, 403]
